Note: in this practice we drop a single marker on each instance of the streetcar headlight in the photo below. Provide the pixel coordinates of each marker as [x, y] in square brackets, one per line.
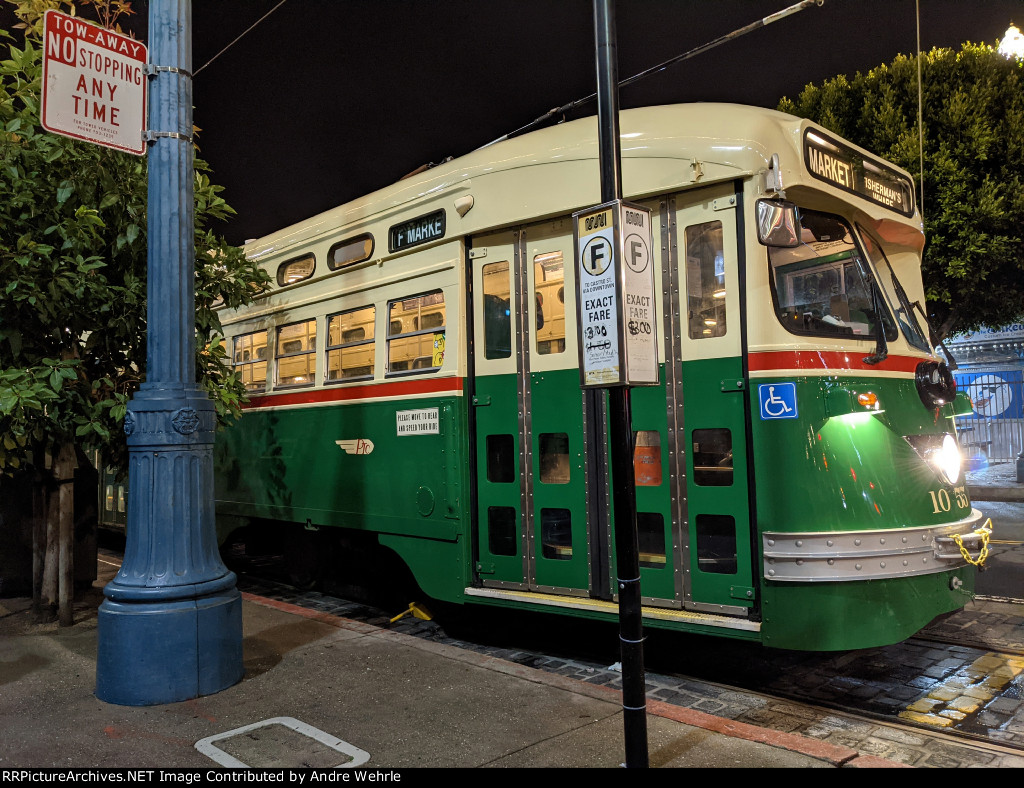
[941, 452]
[947, 459]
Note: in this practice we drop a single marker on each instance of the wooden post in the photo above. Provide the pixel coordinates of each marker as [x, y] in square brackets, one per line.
[51, 513]
[64, 473]
[39, 508]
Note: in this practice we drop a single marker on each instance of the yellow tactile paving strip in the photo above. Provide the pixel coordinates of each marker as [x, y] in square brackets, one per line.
[965, 691]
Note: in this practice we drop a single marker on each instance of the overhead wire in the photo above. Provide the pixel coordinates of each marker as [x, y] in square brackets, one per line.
[920, 112]
[662, 66]
[239, 38]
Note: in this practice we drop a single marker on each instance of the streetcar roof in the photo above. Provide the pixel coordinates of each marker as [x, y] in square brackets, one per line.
[662, 148]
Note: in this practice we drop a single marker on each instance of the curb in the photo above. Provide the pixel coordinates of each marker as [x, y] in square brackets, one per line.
[836, 755]
[1001, 494]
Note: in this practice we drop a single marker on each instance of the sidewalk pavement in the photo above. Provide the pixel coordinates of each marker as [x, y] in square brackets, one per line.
[322, 691]
[995, 483]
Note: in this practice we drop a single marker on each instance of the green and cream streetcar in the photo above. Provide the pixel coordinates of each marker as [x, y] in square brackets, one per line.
[415, 400]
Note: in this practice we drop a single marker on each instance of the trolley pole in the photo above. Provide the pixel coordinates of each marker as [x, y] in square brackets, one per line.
[170, 628]
[627, 553]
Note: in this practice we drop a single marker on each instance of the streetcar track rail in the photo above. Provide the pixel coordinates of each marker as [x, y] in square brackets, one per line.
[975, 644]
[866, 717]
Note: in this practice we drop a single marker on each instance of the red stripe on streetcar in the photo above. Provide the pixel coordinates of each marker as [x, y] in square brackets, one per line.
[831, 359]
[398, 388]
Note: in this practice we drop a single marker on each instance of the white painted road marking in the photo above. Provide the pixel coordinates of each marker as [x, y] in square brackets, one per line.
[207, 748]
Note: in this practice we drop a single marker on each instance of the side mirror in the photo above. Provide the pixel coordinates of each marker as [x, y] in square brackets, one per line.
[778, 223]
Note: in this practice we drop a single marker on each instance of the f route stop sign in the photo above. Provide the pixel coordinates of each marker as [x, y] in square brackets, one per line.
[94, 84]
[616, 318]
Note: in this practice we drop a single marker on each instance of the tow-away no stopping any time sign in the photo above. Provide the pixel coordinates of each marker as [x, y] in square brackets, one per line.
[94, 84]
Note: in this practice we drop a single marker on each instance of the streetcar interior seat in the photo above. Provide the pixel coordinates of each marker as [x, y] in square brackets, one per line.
[840, 307]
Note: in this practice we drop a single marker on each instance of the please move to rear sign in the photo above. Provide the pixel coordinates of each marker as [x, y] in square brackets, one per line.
[94, 83]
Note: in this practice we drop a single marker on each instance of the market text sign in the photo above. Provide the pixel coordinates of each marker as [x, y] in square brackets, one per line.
[616, 318]
[94, 84]
[841, 166]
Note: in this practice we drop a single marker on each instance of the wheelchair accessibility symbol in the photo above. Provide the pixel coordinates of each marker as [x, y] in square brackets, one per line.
[778, 400]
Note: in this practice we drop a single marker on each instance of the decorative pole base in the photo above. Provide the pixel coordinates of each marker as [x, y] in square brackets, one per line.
[170, 628]
[169, 651]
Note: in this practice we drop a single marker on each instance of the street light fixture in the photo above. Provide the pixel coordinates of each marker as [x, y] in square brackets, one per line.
[1012, 44]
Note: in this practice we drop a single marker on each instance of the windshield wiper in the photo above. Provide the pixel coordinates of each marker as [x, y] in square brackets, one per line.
[933, 337]
[881, 346]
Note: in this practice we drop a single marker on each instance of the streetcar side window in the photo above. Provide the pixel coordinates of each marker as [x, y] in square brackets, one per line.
[497, 311]
[292, 271]
[554, 457]
[716, 544]
[250, 354]
[650, 533]
[501, 459]
[501, 530]
[350, 251]
[350, 350]
[705, 280]
[416, 333]
[296, 354]
[548, 299]
[712, 457]
[556, 534]
[647, 458]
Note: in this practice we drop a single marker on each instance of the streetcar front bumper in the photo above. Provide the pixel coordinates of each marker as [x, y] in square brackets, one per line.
[839, 556]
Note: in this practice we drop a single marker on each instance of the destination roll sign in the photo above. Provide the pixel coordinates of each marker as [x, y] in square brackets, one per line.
[416, 231]
[843, 167]
[615, 309]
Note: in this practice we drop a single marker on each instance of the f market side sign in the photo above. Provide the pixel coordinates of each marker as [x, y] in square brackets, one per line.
[94, 84]
[615, 310]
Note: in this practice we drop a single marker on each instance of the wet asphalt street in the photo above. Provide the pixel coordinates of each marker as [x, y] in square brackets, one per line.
[1003, 576]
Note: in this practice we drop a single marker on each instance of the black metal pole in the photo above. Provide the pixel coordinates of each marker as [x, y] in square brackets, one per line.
[607, 99]
[627, 553]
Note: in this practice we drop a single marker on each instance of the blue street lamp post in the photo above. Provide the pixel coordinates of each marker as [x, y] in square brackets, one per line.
[170, 628]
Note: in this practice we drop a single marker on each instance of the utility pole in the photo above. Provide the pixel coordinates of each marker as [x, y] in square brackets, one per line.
[170, 628]
[627, 553]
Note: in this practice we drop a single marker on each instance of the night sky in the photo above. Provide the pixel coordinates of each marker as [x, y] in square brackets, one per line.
[326, 100]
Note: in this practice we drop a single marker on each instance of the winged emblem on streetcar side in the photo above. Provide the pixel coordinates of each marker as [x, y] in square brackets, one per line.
[356, 446]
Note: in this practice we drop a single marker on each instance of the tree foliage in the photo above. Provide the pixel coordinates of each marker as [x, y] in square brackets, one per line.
[973, 201]
[73, 272]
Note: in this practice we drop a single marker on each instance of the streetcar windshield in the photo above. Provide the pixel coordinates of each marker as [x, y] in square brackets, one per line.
[825, 286]
[905, 311]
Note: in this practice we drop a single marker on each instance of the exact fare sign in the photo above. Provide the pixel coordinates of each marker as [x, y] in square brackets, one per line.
[616, 317]
[94, 84]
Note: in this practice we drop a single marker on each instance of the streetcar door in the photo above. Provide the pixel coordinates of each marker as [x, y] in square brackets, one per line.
[528, 407]
[707, 377]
